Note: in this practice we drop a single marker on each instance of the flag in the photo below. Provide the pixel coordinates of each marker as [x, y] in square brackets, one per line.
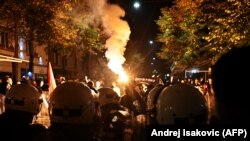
[51, 79]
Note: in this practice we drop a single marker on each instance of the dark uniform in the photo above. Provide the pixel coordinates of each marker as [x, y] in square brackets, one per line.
[15, 125]
[22, 102]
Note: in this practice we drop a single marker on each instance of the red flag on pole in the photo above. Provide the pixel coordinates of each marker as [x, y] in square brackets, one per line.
[51, 79]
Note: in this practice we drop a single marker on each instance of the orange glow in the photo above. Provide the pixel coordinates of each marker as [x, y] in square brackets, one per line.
[116, 66]
[123, 78]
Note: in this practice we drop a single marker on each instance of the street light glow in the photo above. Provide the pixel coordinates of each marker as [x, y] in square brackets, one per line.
[136, 5]
[151, 42]
[194, 70]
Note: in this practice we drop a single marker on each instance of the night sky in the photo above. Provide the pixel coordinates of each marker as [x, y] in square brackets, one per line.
[143, 29]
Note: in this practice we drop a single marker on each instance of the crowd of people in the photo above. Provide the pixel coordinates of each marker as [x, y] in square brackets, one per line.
[80, 111]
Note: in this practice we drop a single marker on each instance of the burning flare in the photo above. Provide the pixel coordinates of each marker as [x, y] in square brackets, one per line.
[118, 32]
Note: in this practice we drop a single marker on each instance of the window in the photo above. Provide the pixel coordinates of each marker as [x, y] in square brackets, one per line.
[3, 39]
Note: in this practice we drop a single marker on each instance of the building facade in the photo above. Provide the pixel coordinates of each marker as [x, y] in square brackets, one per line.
[8, 58]
[73, 66]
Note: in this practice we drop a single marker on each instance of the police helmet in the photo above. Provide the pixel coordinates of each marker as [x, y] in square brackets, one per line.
[23, 97]
[152, 96]
[181, 104]
[71, 103]
[107, 96]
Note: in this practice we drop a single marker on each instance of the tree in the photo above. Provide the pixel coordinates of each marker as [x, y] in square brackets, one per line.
[31, 18]
[223, 24]
[75, 34]
[198, 31]
[62, 25]
[36, 24]
[10, 17]
[177, 32]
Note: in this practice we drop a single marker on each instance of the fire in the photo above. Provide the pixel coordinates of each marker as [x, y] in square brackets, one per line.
[110, 17]
[119, 32]
[123, 77]
[116, 67]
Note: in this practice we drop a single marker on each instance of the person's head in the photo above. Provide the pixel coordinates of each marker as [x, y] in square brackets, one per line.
[90, 84]
[26, 79]
[34, 83]
[181, 104]
[24, 99]
[9, 80]
[41, 83]
[98, 84]
[71, 103]
[140, 88]
[196, 81]
[62, 79]
[107, 96]
[229, 74]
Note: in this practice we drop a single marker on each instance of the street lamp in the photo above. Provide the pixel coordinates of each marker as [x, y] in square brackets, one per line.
[136, 5]
[151, 42]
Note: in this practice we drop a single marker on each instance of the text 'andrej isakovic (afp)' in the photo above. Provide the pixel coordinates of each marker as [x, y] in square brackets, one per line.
[182, 133]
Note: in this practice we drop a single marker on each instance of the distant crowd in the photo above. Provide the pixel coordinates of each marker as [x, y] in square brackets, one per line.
[84, 110]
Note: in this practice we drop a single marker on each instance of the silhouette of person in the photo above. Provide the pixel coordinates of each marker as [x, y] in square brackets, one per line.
[92, 88]
[113, 115]
[3, 90]
[127, 100]
[231, 92]
[22, 103]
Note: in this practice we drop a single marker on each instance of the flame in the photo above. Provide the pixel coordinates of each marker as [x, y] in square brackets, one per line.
[118, 31]
[123, 77]
[117, 68]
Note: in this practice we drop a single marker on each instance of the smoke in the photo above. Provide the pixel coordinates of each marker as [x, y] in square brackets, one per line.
[118, 31]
